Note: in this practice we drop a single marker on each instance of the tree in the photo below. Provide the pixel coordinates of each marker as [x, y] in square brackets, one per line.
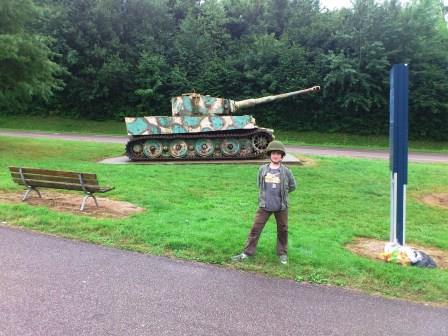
[27, 69]
[428, 69]
[129, 57]
[105, 45]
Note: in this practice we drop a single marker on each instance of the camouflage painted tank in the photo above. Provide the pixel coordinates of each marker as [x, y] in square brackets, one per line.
[201, 128]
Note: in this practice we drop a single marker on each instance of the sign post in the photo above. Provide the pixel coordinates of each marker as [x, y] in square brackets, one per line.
[398, 150]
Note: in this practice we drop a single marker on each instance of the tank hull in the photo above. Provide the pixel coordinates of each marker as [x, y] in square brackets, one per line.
[241, 144]
[187, 124]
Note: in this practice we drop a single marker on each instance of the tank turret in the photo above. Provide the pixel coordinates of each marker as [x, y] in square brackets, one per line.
[202, 128]
[191, 104]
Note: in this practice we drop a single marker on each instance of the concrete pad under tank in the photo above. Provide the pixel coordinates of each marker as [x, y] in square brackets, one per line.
[288, 160]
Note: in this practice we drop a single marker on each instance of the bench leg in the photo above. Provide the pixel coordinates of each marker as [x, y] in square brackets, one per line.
[94, 198]
[28, 191]
[85, 199]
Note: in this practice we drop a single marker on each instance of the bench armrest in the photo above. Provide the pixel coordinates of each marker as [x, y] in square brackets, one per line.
[106, 189]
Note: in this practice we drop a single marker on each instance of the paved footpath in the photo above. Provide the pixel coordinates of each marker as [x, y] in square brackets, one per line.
[305, 150]
[53, 286]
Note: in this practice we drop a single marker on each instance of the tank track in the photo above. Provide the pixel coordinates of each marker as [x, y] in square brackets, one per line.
[224, 145]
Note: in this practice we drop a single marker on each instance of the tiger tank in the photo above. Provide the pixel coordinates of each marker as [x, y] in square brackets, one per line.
[202, 128]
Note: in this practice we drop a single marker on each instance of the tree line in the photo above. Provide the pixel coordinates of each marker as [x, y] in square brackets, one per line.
[106, 59]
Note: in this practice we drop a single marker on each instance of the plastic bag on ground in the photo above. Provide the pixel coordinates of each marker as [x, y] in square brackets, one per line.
[406, 255]
[425, 261]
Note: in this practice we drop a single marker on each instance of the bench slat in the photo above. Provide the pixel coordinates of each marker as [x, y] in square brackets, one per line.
[58, 185]
[51, 172]
[54, 178]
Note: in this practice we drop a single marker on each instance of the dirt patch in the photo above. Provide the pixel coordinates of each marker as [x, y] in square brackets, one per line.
[371, 248]
[71, 202]
[306, 161]
[436, 199]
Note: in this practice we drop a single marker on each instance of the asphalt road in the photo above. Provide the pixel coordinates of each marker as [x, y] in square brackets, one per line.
[305, 150]
[52, 286]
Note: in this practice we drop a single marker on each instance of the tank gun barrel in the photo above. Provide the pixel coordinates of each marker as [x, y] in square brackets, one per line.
[241, 104]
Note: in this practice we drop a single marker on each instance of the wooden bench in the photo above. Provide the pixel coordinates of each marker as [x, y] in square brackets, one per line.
[33, 178]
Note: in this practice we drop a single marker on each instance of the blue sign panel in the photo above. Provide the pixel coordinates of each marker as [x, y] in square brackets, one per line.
[398, 146]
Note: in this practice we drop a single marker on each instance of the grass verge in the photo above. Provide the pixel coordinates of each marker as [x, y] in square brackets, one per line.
[204, 213]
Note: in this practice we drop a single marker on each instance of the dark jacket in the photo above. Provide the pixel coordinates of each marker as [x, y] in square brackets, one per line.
[287, 185]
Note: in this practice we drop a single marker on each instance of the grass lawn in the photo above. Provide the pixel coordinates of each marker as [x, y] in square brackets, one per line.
[64, 125]
[204, 213]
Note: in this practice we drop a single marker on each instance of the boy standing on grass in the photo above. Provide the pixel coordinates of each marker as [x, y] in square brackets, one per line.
[275, 181]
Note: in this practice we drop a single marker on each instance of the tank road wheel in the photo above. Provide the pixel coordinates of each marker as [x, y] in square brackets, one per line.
[204, 147]
[230, 147]
[260, 142]
[137, 148]
[134, 151]
[152, 149]
[178, 149]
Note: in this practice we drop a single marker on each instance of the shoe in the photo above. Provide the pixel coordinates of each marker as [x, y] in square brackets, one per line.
[240, 257]
[283, 259]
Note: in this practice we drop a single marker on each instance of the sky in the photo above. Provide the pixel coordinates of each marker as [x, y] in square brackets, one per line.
[331, 4]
